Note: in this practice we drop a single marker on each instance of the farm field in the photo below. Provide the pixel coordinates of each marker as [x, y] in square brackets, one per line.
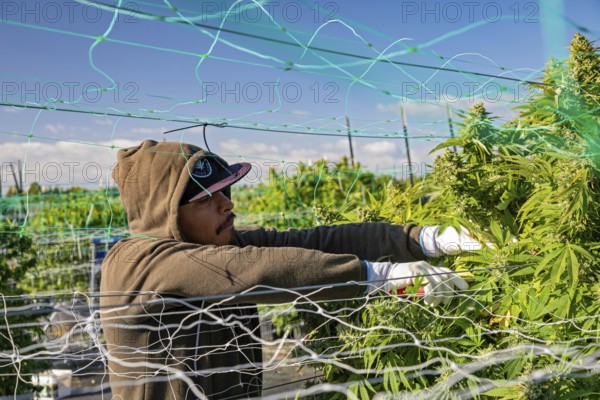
[527, 188]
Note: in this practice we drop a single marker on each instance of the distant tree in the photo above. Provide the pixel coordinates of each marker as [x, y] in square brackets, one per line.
[76, 189]
[12, 191]
[35, 188]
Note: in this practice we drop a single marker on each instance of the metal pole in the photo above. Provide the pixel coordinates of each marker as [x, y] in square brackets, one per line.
[92, 273]
[405, 129]
[350, 141]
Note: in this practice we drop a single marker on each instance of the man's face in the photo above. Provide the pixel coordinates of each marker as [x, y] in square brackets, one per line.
[208, 221]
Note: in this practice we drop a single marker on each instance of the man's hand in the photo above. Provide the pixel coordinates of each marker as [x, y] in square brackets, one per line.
[440, 282]
[451, 242]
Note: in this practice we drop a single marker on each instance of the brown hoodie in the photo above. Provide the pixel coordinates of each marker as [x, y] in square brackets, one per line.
[173, 327]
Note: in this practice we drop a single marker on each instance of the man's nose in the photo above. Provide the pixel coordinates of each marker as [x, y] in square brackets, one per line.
[225, 203]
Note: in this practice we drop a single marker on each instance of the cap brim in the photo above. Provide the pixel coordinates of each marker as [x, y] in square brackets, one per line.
[238, 171]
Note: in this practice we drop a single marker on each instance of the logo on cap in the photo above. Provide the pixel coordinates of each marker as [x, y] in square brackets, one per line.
[202, 169]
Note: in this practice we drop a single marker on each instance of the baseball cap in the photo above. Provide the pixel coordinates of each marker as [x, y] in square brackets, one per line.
[210, 175]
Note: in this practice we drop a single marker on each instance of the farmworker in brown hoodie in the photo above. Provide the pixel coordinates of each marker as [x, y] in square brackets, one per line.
[178, 296]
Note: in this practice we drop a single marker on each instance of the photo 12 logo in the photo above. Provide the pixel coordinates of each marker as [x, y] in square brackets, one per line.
[471, 92]
[53, 12]
[52, 172]
[67, 92]
[469, 11]
[289, 12]
[295, 172]
[270, 92]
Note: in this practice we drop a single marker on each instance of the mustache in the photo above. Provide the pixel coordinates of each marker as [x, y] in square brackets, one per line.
[230, 218]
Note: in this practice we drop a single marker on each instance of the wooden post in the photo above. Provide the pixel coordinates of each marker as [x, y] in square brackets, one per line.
[15, 177]
[350, 141]
[18, 185]
[405, 129]
[21, 188]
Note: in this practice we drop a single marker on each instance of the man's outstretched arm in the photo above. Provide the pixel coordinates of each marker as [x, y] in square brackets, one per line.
[367, 241]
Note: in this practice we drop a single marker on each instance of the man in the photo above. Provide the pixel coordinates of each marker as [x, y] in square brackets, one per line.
[178, 296]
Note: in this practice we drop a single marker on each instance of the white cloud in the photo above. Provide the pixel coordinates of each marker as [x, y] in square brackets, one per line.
[61, 163]
[390, 107]
[301, 112]
[436, 111]
[55, 128]
[60, 128]
[414, 109]
[10, 109]
[75, 164]
[104, 121]
[252, 150]
[149, 131]
[380, 155]
[381, 148]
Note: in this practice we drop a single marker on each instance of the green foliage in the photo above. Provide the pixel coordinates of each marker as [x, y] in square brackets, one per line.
[65, 212]
[62, 223]
[17, 257]
[302, 195]
[76, 210]
[61, 266]
[536, 178]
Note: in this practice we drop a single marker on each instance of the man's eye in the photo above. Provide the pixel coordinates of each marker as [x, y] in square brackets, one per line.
[201, 201]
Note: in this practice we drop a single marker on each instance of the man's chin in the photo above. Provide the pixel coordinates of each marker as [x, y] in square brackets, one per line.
[226, 236]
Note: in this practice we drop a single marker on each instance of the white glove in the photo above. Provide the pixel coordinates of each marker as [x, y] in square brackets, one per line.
[440, 281]
[449, 242]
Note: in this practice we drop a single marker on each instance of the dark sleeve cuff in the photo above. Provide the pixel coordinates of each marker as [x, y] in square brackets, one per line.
[413, 243]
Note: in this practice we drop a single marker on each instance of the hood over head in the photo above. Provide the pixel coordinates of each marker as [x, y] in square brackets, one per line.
[155, 178]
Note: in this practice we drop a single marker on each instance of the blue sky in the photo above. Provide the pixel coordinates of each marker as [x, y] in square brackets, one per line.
[169, 69]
